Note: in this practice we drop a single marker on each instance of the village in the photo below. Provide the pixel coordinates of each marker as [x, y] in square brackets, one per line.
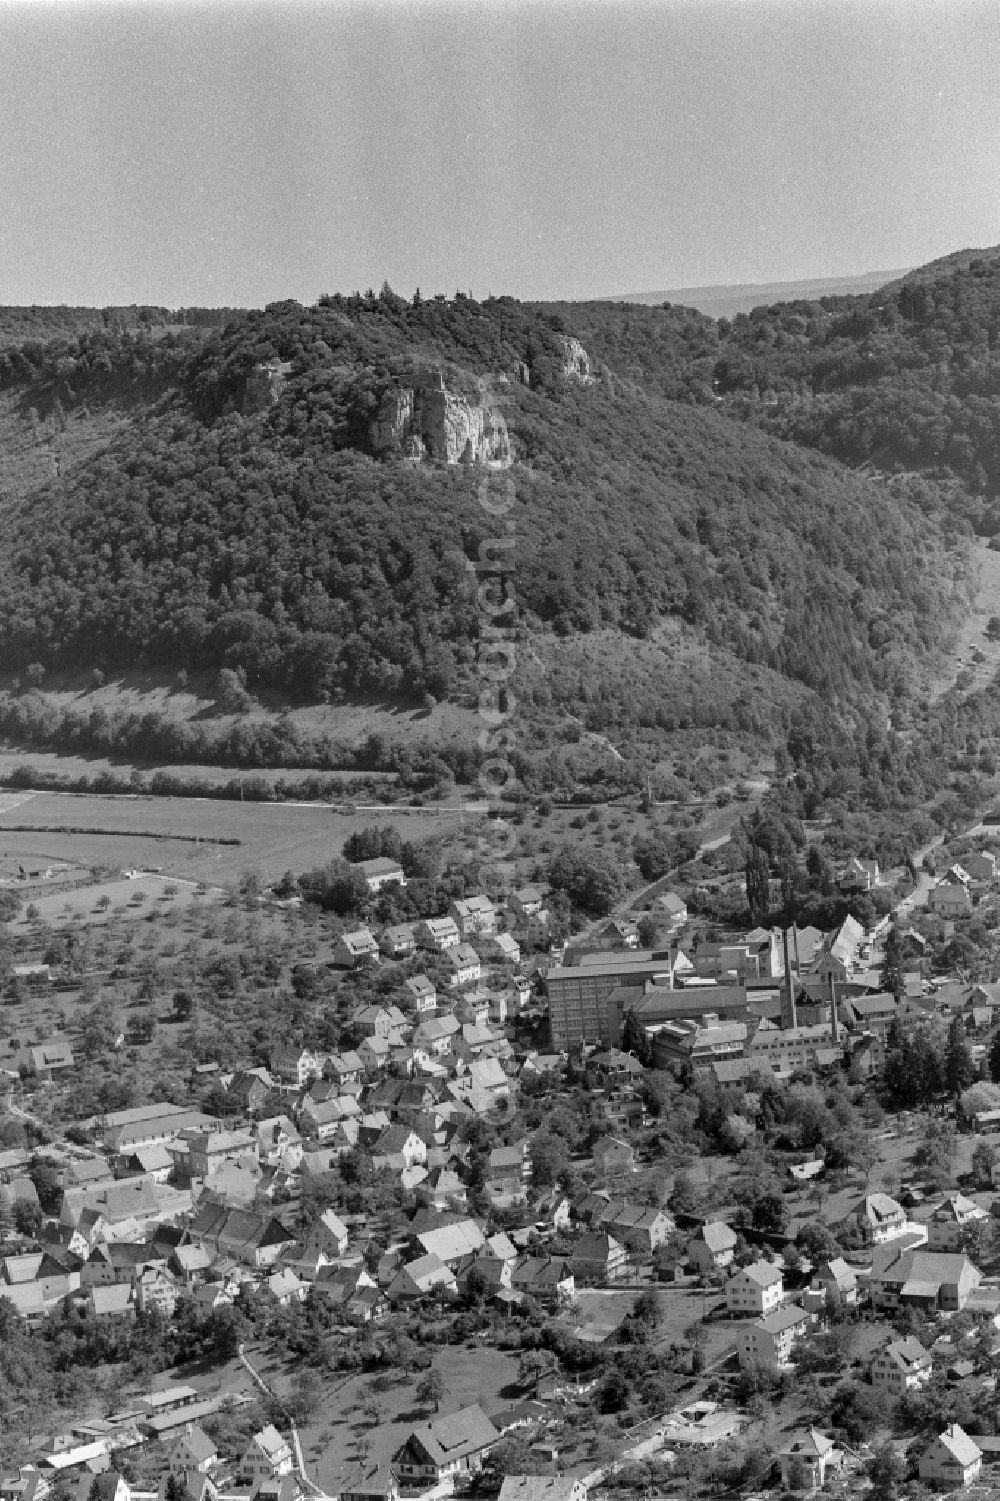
[667, 1190]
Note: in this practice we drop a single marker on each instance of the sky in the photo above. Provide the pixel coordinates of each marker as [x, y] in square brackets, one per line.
[236, 153]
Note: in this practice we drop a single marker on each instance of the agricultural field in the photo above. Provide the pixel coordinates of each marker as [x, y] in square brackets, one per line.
[198, 838]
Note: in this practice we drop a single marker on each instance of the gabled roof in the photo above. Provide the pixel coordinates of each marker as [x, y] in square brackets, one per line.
[762, 1273]
[960, 1445]
[448, 1439]
[908, 1353]
[879, 1207]
[811, 1445]
[450, 1242]
[716, 1235]
[782, 1318]
[270, 1443]
[381, 865]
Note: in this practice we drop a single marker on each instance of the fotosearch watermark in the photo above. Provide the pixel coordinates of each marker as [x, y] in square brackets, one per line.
[496, 650]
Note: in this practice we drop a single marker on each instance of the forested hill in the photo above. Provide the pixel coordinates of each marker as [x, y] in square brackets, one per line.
[249, 520]
[907, 378]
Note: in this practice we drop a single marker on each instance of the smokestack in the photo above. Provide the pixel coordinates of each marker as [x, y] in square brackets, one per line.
[795, 941]
[788, 1018]
[834, 1024]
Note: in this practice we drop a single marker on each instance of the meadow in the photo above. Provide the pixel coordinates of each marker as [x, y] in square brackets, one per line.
[180, 835]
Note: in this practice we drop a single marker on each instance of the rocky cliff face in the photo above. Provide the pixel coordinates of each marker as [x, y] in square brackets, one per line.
[428, 421]
[576, 360]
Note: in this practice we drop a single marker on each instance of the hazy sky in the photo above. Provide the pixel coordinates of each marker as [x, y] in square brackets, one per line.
[242, 152]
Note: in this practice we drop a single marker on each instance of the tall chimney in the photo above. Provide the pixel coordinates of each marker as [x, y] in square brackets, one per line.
[795, 940]
[834, 1024]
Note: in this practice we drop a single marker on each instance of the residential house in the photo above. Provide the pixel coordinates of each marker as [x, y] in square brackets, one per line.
[452, 1242]
[375, 1484]
[756, 1289]
[191, 1264]
[438, 933]
[345, 1069]
[949, 899]
[768, 1342]
[930, 1280]
[473, 915]
[50, 1058]
[712, 1247]
[416, 1279]
[950, 1221]
[399, 941]
[641, 1228]
[360, 946]
[536, 931]
[191, 1449]
[878, 1218]
[328, 1236]
[673, 908]
[434, 1035]
[442, 1190]
[114, 1304]
[294, 1064]
[617, 933]
[503, 948]
[445, 1446]
[279, 1144]
[613, 1068]
[466, 965]
[612, 1155]
[903, 1366]
[249, 1090]
[598, 1259]
[835, 1282]
[548, 1279]
[267, 1455]
[397, 1148]
[527, 901]
[423, 992]
[375, 1021]
[382, 872]
[858, 876]
[206, 1151]
[805, 1460]
[952, 1461]
[246, 1235]
[155, 1287]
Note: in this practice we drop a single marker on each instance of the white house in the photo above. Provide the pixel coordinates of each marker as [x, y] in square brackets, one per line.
[382, 872]
[953, 1460]
[756, 1289]
[805, 1460]
[949, 1220]
[902, 1366]
[267, 1455]
[768, 1342]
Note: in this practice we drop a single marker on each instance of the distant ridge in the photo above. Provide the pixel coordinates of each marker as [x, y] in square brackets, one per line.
[724, 301]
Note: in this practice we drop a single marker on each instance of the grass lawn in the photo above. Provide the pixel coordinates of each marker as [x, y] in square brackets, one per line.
[330, 1441]
[272, 837]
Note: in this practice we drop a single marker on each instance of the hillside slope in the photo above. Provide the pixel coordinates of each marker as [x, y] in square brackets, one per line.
[273, 534]
[906, 378]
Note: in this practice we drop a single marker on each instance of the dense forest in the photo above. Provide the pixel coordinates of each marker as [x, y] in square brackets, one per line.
[214, 532]
[906, 378]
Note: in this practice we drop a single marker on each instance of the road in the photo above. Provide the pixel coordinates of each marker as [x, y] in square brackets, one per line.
[918, 896]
